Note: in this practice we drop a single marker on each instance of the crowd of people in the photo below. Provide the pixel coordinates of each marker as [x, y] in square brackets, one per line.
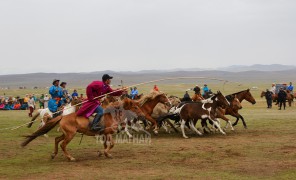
[280, 95]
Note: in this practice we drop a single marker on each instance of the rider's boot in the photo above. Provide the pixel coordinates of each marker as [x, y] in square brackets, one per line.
[96, 125]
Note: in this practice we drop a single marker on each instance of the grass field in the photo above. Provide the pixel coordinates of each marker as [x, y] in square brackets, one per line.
[266, 150]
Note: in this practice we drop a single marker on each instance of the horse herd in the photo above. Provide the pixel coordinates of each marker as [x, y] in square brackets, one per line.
[155, 110]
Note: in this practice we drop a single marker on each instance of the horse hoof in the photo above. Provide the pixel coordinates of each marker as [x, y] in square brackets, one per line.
[72, 159]
[108, 155]
[53, 155]
[186, 137]
[245, 127]
[156, 132]
[100, 154]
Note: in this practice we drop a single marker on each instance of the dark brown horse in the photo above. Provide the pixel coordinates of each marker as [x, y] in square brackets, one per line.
[202, 110]
[71, 124]
[242, 95]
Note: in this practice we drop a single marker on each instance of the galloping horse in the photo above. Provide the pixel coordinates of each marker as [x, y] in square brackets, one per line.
[71, 124]
[242, 95]
[147, 104]
[202, 110]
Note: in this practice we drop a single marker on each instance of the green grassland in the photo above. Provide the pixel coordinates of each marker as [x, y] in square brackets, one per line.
[266, 150]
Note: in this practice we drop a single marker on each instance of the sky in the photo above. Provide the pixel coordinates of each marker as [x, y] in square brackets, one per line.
[132, 35]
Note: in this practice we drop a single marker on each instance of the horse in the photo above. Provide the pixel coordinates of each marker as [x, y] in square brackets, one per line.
[47, 115]
[71, 124]
[201, 110]
[197, 98]
[242, 95]
[220, 113]
[147, 104]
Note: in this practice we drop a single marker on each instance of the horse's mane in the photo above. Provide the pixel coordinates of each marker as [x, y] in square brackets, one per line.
[229, 96]
[149, 97]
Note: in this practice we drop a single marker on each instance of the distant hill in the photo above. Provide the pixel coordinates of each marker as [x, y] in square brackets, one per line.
[82, 79]
[258, 67]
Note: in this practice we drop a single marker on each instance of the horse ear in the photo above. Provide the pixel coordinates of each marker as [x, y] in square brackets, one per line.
[248, 90]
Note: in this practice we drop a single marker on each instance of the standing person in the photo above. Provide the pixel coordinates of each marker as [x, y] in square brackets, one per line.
[46, 99]
[31, 104]
[74, 94]
[56, 94]
[268, 97]
[26, 99]
[93, 91]
[41, 101]
[155, 88]
[282, 96]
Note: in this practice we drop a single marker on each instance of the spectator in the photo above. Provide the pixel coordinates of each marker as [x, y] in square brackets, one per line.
[31, 104]
[26, 99]
[46, 99]
[268, 96]
[74, 94]
[282, 95]
[41, 101]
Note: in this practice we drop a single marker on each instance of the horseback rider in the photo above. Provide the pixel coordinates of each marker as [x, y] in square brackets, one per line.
[65, 93]
[196, 90]
[205, 89]
[56, 95]
[134, 93]
[93, 91]
[273, 88]
[186, 97]
[290, 88]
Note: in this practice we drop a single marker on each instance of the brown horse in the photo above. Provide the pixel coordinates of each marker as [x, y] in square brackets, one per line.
[71, 124]
[197, 98]
[202, 110]
[242, 95]
[148, 103]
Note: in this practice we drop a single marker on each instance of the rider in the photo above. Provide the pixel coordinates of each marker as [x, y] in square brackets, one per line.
[186, 97]
[273, 88]
[134, 93]
[205, 89]
[155, 88]
[196, 89]
[56, 94]
[64, 91]
[290, 88]
[93, 91]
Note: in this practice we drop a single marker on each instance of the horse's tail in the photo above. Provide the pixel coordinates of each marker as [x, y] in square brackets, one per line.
[33, 119]
[43, 130]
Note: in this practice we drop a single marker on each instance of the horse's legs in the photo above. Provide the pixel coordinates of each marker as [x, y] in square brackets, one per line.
[69, 136]
[108, 144]
[244, 123]
[154, 124]
[56, 147]
[182, 128]
[217, 124]
[193, 127]
[126, 129]
[169, 122]
[235, 123]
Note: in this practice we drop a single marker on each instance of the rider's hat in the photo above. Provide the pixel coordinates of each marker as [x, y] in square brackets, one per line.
[106, 77]
[55, 80]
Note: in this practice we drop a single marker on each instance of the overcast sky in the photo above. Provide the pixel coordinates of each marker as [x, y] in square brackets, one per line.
[95, 35]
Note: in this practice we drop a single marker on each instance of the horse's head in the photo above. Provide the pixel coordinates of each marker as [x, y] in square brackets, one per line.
[175, 100]
[133, 106]
[221, 100]
[162, 98]
[249, 97]
[262, 94]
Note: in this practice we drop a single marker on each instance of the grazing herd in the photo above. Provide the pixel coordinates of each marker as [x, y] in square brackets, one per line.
[153, 111]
